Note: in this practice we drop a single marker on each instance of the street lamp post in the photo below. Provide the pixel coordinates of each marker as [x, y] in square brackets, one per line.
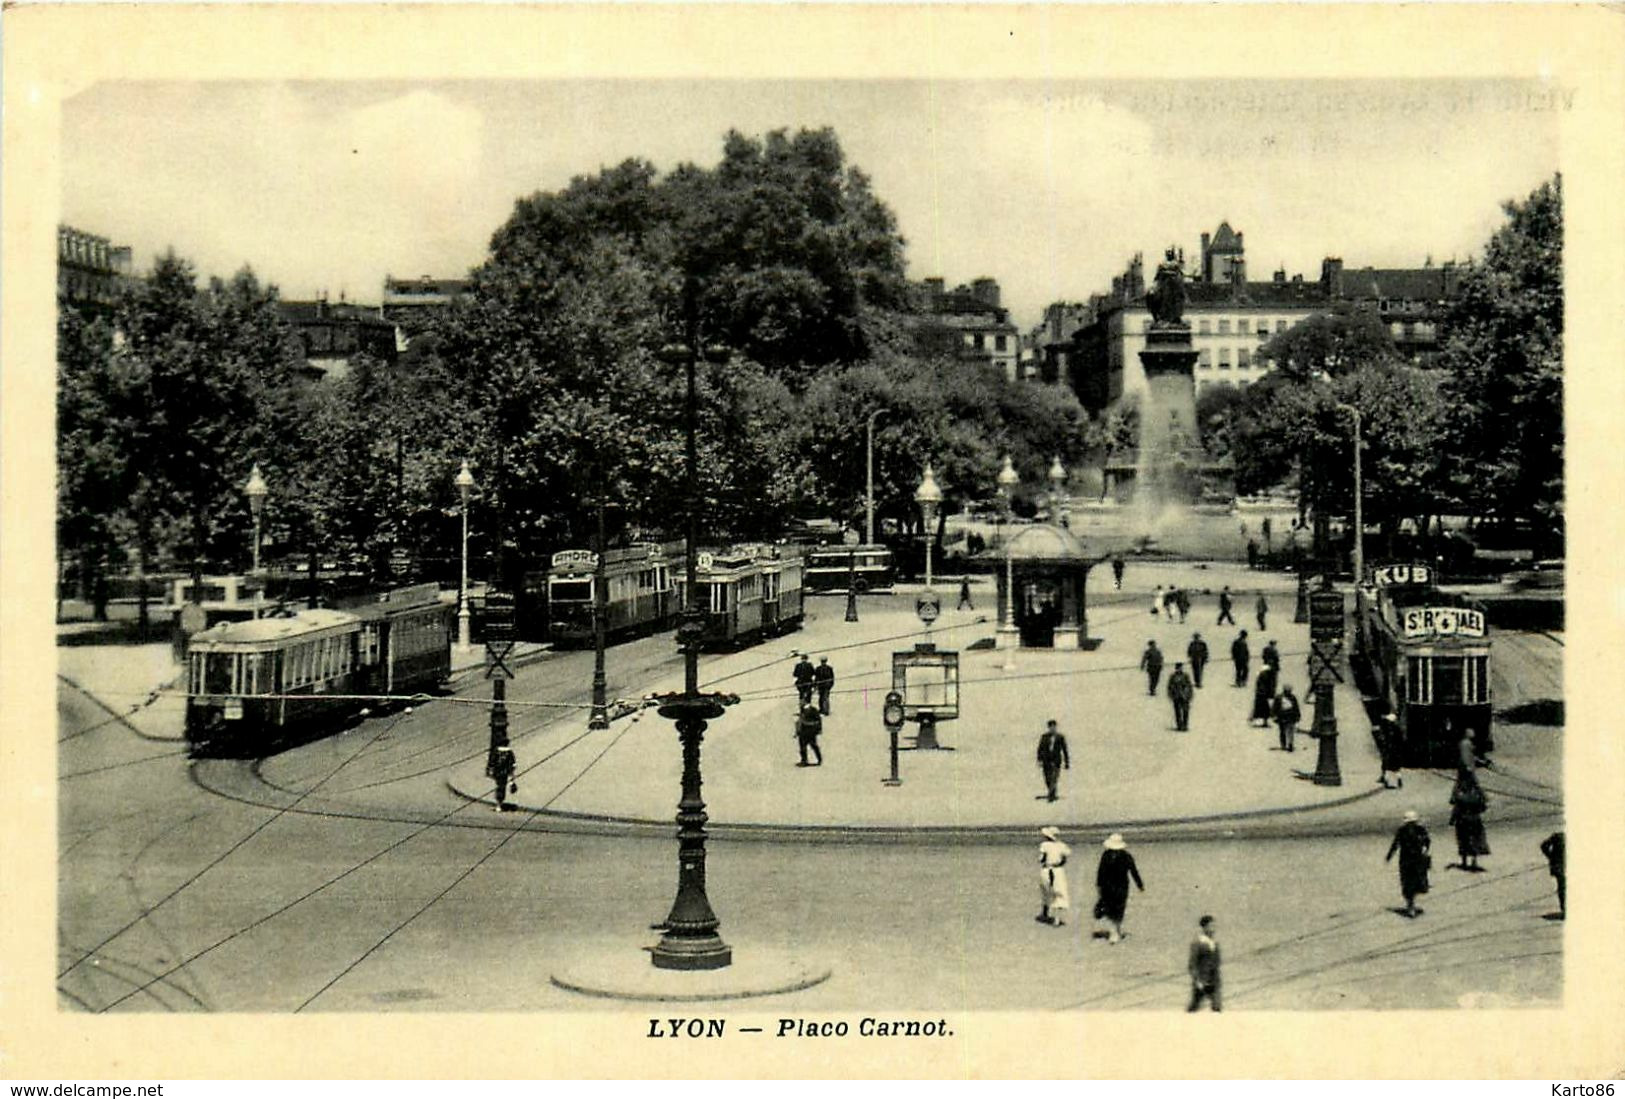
[1009, 638]
[690, 940]
[256, 491]
[929, 497]
[869, 481]
[1359, 504]
[598, 716]
[465, 483]
[1058, 499]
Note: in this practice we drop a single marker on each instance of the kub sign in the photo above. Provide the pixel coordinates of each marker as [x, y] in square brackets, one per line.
[1393, 576]
[1438, 621]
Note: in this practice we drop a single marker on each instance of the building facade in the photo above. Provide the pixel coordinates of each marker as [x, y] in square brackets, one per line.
[90, 269]
[967, 323]
[408, 302]
[332, 335]
[1410, 301]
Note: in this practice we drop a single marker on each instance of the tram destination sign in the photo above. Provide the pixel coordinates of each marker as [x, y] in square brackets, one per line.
[498, 620]
[571, 559]
[1441, 621]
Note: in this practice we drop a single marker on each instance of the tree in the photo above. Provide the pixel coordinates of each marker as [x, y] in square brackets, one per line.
[1503, 349]
[1216, 407]
[1330, 345]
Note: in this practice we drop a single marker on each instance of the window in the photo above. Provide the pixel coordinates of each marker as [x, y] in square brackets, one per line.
[570, 591]
[1205, 327]
[1224, 358]
[1224, 326]
[1418, 681]
[1244, 358]
[979, 341]
[1205, 357]
[1280, 326]
[998, 342]
[1244, 326]
[719, 598]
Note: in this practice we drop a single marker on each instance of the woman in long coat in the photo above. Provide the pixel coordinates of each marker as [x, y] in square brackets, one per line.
[1111, 883]
[1263, 696]
[1467, 805]
[1052, 887]
[1412, 843]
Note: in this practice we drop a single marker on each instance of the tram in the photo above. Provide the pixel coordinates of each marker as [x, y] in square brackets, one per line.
[254, 686]
[1424, 654]
[747, 593]
[865, 568]
[638, 591]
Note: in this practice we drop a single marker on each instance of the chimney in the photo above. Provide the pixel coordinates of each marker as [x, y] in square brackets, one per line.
[1280, 275]
[1331, 275]
[1207, 273]
[986, 291]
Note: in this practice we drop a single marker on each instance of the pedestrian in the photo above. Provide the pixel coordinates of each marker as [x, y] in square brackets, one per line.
[1196, 652]
[1483, 744]
[1183, 599]
[1151, 664]
[1552, 848]
[1466, 756]
[1287, 715]
[1180, 692]
[1156, 601]
[1389, 747]
[500, 767]
[964, 594]
[1252, 553]
[1240, 654]
[1204, 965]
[1262, 609]
[824, 680]
[1413, 843]
[1467, 805]
[1263, 697]
[1225, 607]
[1112, 876]
[803, 674]
[1117, 570]
[1052, 757]
[1052, 888]
[1271, 656]
[808, 727]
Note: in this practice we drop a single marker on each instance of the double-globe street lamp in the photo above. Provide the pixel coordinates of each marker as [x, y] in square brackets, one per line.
[1058, 497]
[1009, 636]
[256, 491]
[929, 497]
[465, 484]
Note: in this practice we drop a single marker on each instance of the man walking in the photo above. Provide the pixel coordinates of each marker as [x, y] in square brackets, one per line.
[1052, 756]
[1180, 692]
[1262, 609]
[501, 769]
[824, 680]
[1271, 656]
[1204, 965]
[1117, 570]
[1196, 652]
[804, 674]
[1552, 848]
[1386, 733]
[1183, 598]
[808, 726]
[1240, 654]
[1287, 715]
[1151, 665]
[964, 594]
[1225, 607]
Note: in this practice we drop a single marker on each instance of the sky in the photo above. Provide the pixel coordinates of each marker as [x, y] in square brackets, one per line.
[1047, 186]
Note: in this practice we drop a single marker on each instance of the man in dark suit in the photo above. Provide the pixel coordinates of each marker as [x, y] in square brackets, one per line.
[1180, 692]
[824, 680]
[1204, 966]
[804, 675]
[1052, 756]
[1225, 608]
[1552, 848]
[808, 727]
[1151, 665]
[1240, 654]
[1196, 652]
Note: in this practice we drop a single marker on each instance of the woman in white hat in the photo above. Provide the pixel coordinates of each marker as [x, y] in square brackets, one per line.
[1111, 884]
[1052, 888]
[1412, 843]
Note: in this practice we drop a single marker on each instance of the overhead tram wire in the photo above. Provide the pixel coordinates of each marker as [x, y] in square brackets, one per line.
[413, 834]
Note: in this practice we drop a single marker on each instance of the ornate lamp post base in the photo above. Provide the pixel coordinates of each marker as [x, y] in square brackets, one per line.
[1327, 771]
[691, 940]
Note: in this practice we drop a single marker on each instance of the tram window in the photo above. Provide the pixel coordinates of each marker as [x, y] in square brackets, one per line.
[218, 673]
[1479, 669]
[1448, 680]
[571, 591]
[1416, 686]
[719, 598]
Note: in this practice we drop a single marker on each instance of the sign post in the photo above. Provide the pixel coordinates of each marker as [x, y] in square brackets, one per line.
[1325, 654]
[499, 632]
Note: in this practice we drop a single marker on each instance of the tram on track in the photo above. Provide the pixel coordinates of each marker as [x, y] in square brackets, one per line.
[1424, 654]
[747, 593]
[639, 596]
[864, 568]
[254, 686]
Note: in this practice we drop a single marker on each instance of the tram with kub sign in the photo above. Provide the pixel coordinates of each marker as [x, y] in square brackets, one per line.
[1424, 654]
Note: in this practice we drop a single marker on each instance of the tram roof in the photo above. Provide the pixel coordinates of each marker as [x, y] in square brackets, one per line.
[258, 631]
